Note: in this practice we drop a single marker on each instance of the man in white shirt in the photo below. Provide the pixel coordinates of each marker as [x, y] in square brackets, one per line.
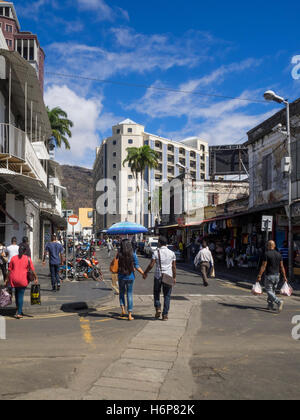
[205, 259]
[165, 261]
[13, 249]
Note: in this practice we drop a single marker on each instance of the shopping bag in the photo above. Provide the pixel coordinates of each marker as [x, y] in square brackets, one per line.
[35, 294]
[114, 266]
[256, 289]
[286, 290]
[213, 273]
[5, 298]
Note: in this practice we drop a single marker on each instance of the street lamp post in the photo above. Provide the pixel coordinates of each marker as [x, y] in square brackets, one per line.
[271, 96]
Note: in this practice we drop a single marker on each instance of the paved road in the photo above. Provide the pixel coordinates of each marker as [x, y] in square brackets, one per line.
[220, 343]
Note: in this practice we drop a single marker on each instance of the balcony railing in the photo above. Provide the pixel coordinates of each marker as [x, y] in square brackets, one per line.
[17, 149]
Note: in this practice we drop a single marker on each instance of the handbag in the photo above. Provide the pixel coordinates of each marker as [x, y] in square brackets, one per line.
[30, 275]
[35, 294]
[5, 298]
[165, 278]
[114, 266]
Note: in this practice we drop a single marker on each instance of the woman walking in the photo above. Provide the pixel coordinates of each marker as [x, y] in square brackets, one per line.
[128, 263]
[17, 277]
[3, 260]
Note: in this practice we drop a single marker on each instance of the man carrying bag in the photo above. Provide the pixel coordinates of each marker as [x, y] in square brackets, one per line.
[164, 278]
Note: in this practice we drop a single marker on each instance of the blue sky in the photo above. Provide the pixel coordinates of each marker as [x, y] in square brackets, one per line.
[230, 49]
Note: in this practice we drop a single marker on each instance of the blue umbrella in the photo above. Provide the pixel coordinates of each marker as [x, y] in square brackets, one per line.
[126, 228]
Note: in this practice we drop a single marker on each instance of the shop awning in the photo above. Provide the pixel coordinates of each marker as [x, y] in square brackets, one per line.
[168, 227]
[58, 220]
[26, 186]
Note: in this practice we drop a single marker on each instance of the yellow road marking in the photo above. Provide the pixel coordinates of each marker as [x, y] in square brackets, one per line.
[87, 333]
[104, 320]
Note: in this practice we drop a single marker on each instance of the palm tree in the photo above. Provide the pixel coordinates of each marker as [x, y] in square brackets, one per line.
[138, 159]
[60, 125]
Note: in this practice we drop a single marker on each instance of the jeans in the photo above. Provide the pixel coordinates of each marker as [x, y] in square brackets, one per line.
[271, 283]
[19, 294]
[167, 291]
[54, 270]
[126, 287]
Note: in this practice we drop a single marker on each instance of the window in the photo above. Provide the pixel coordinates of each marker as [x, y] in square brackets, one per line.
[6, 11]
[90, 214]
[114, 178]
[114, 142]
[9, 42]
[9, 28]
[295, 152]
[114, 166]
[213, 199]
[118, 131]
[129, 130]
[130, 177]
[114, 154]
[130, 200]
[130, 189]
[267, 172]
[130, 141]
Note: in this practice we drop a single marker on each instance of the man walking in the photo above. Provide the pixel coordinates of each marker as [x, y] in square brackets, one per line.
[165, 261]
[12, 250]
[55, 252]
[284, 251]
[272, 264]
[205, 259]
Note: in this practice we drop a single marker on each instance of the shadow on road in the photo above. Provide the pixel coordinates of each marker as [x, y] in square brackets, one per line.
[245, 307]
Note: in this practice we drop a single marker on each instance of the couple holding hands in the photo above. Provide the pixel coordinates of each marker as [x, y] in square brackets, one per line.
[126, 263]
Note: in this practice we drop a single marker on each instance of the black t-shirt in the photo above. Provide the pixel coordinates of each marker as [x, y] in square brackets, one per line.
[273, 259]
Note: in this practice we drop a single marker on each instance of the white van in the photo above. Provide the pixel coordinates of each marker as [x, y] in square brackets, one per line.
[150, 246]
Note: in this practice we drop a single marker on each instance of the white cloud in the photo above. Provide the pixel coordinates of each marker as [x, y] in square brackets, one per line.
[132, 52]
[102, 9]
[88, 120]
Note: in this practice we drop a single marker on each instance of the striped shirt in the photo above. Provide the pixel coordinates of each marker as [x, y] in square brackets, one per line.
[285, 253]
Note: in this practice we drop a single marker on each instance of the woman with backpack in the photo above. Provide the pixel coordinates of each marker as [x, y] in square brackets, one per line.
[18, 278]
[127, 265]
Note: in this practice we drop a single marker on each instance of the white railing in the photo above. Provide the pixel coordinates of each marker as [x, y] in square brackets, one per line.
[14, 142]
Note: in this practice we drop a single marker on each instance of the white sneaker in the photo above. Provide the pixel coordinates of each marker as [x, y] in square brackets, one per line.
[280, 306]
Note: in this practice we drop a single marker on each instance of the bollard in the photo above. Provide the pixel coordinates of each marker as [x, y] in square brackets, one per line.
[2, 328]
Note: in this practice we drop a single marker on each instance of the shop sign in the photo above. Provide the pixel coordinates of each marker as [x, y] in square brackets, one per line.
[267, 224]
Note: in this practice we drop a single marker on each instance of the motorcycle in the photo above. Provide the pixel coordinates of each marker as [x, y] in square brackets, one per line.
[62, 271]
[87, 268]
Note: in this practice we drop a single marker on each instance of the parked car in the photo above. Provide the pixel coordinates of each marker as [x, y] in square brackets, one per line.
[178, 254]
[150, 246]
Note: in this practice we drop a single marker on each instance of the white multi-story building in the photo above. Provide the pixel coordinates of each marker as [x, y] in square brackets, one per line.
[190, 153]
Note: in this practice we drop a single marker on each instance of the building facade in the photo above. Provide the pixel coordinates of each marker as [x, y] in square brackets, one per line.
[121, 198]
[25, 43]
[268, 176]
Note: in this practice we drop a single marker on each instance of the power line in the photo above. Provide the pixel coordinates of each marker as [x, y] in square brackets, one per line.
[114, 82]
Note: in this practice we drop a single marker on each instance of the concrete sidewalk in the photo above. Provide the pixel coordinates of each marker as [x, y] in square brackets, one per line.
[72, 296]
[142, 372]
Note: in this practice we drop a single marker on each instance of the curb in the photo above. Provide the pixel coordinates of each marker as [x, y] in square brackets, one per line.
[62, 308]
